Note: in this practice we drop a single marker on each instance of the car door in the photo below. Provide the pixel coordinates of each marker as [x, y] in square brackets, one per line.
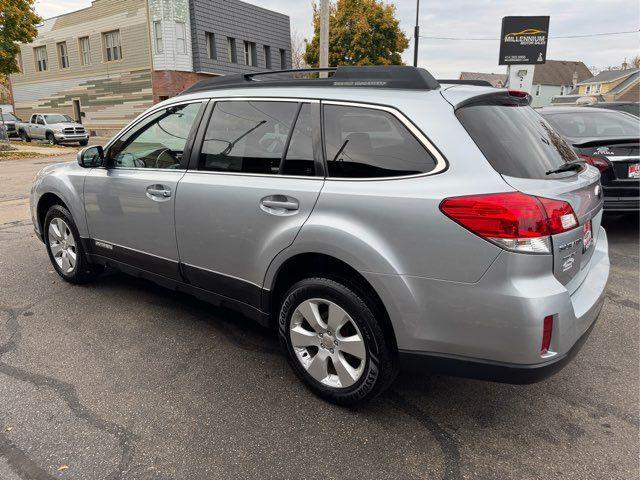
[254, 182]
[39, 128]
[130, 203]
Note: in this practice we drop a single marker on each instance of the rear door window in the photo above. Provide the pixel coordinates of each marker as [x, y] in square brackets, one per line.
[516, 140]
[364, 142]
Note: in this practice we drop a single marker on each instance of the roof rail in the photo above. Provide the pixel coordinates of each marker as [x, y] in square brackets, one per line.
[477, 83]
[387, 76]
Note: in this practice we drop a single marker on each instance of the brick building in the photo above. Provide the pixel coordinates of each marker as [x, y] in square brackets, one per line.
[107, 63]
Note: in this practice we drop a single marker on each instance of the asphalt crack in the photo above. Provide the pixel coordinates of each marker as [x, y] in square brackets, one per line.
[447, 443]
[18, 459]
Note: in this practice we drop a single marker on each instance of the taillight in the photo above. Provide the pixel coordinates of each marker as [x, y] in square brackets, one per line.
[513, 220]
[547, 330]
[517, 93]
[600, 163]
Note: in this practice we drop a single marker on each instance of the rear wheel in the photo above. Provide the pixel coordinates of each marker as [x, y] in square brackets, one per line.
[334, 342]
[25, 137]
[51, 139]
[65, 249]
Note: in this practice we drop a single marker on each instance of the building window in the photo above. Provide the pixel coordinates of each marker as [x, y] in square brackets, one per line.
[157, 35]
[40, 54]
[267, 56]
[85, 50]
[231, 44]
[19, 62]
[283, 59]
[597, 89]
[250, 54]
[537, 90]
[181, 37]
[210, 40]
[587, 90]
[112, 47]
[63, 55]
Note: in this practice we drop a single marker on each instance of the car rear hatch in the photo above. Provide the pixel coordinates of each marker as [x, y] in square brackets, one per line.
[530, 155]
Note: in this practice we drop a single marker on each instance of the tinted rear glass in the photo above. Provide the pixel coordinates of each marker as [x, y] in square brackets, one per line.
[516, 140]
[590, 124]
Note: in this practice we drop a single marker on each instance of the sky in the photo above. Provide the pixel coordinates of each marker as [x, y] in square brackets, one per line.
[479, 19]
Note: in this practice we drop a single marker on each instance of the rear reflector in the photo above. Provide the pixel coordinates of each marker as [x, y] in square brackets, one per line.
[512, 220]
[547, 330]
[600, 163]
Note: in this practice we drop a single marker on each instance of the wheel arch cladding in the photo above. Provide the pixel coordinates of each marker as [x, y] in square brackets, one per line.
[312, 264]
[45, 203]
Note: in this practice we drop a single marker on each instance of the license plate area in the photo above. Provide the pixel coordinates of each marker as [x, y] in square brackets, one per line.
[634, 170]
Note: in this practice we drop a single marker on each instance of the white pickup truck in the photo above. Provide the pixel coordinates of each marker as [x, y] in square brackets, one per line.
[54, 128]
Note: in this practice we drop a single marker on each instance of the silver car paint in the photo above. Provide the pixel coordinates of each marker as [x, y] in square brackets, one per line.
[446, 290]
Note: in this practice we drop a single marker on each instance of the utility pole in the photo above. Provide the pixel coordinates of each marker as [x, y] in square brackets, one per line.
[416, 34]
[324, 36]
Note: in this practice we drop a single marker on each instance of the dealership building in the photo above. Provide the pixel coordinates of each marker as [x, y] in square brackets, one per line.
[107, 63]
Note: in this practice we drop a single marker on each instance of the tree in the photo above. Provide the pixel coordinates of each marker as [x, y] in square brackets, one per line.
[18, 24]
[361, 32]
[297, 50]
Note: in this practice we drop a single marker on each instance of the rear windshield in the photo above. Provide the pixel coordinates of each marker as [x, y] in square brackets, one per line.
[515, 140]
[594, 124]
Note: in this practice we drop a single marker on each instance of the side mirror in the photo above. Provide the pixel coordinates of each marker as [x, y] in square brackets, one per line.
[91, 157]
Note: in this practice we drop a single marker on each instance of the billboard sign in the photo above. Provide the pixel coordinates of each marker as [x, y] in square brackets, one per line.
[524, 40]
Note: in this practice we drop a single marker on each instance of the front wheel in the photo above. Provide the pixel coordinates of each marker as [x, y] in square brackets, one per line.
[25, 137]
[65, 249]
[51, 139]
[334, 341]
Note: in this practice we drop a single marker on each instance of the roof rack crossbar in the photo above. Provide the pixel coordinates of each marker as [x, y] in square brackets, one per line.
[388, 76]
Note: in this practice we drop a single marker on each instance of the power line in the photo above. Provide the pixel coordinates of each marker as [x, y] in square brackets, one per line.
[551, 36]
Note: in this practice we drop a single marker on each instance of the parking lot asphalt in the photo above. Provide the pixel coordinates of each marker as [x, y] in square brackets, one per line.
[121, 379]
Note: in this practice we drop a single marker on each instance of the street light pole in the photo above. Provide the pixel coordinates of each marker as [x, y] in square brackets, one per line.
[416, 34]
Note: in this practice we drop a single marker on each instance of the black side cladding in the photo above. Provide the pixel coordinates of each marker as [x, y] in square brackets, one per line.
[387, 76]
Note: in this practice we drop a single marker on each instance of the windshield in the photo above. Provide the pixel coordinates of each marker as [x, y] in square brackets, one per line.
[589, 124]
[57, 118]
[9, 117]
[516, 141]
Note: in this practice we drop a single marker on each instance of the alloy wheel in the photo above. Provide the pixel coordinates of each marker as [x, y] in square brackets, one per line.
[62, 245]
[328, 343]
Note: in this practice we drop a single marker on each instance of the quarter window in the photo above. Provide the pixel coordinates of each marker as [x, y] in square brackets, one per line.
[156, 142]
[365, 143]
[40, 54]
[247, 136]
[63, 56]
[112, 46]
[85, 51]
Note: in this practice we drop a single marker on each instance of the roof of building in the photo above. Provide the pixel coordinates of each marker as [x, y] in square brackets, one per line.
[631, 95]
[626, 83]
[560, 72]
[495, 79]
[609, 76]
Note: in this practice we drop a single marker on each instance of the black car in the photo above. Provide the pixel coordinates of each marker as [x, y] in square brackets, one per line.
[629, 107]
[608, 140]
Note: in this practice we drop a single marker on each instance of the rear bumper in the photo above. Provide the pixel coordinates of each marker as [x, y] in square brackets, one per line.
[621, 204]
[501, 372]
[493, 328]
[619, 196]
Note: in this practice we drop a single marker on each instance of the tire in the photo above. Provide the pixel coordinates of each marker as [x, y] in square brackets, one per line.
[373, 362]
[84, 143]
[24, 136]
[51, 139]
[60, 240]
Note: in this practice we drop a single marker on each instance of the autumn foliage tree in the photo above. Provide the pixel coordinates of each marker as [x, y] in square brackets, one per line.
[361, 32]
[18, 24]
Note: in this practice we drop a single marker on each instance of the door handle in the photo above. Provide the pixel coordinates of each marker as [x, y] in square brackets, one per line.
[279, 205]
[159, 191]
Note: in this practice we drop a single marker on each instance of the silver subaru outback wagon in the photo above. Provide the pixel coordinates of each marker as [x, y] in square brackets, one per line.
[376, 219]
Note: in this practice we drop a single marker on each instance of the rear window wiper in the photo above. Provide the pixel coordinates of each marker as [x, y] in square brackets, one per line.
[567, 167]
